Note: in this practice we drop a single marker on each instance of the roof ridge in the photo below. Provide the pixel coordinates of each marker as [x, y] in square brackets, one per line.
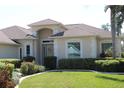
[86, 25]
[6, 37]
[45, 20]
[80, 24]
[7, 27]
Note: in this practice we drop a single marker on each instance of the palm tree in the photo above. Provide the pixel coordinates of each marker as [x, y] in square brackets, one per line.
[117, 18]
[106, 27]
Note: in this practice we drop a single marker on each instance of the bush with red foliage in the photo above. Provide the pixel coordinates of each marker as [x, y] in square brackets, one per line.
[5, 80]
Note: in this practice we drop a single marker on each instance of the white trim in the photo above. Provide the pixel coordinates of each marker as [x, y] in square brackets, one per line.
[73, 40]
[19, 52]
[55, 45]
[81, 47]
[94, 48]
[56, 48]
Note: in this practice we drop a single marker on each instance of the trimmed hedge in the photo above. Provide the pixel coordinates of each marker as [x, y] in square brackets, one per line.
[7, 66]
[50, 62]
[16, 62]
[28, 68]
[107, 65]
[77, 63]
[116, 65]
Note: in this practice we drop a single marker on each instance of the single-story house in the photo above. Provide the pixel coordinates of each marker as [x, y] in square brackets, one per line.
[52, 38]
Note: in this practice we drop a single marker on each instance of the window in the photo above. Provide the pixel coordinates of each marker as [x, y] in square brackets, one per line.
[28, 50]
[74, 50]
[47, 41]
[106, 46]
[20, 49]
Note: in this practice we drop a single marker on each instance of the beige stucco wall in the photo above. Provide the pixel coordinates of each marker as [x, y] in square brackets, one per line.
[8, 51]
[88, 47]
[25, 42]
[45, 33]
[60, 48]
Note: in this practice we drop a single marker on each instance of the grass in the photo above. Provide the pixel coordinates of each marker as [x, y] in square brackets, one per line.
[73, 80]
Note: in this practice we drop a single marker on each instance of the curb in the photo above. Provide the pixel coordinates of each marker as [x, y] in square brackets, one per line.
[21, 79]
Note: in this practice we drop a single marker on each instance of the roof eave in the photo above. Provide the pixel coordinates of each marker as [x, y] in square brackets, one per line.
[72, 36]
[10, 44]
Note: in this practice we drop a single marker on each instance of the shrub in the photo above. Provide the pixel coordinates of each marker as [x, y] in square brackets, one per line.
[107, 65]
[50, 62]
[77, 63]
[38, 68]
[122, 54]
[120, 67]
[9, 67]
[28, 68]
[108, 52]
[28, 59]
[5, 81]
[16, 62]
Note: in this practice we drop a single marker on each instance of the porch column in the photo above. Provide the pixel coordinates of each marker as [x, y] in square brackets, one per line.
[56, 50]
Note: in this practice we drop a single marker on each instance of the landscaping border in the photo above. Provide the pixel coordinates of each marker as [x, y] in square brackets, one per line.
[21, 79]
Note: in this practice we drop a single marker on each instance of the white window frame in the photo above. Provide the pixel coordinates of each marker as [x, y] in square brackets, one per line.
[19, 52]
[73, 41]
[104, 41]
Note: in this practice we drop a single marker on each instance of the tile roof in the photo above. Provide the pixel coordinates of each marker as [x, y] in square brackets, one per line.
[72, 30]
[75, 30]
[5, 40]
[17, 32]
[44, 22]
[86, 30]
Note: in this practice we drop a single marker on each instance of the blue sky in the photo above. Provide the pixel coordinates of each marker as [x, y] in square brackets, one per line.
[23, 12]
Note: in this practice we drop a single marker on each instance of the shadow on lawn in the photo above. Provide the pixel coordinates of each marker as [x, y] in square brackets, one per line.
[110, 78]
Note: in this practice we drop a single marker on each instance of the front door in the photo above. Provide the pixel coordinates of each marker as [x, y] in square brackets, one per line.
[48, 50]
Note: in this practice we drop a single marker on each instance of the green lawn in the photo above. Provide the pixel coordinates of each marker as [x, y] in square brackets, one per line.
[73, 80]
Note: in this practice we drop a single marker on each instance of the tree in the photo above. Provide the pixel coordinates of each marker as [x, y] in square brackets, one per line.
[117, 19]
[106, 27]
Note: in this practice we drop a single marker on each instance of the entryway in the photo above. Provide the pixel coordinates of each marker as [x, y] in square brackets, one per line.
[47, 50]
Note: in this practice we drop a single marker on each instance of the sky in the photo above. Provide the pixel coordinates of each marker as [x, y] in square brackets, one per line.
[24, 12]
